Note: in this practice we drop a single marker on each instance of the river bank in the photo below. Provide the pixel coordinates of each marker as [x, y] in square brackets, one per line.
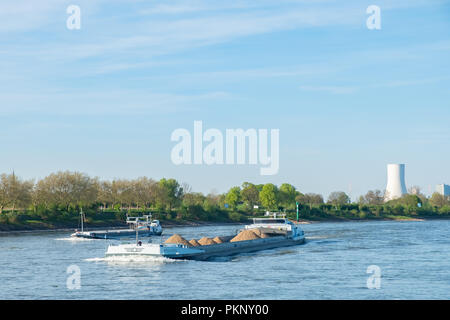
[9, 229]
[168, 224]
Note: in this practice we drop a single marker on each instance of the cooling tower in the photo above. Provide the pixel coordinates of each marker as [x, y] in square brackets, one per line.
[396, 186]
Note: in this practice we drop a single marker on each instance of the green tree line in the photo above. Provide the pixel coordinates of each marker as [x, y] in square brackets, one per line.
[61, 195]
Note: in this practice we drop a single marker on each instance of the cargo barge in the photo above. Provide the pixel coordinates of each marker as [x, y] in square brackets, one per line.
[263, 234]
[143, 226]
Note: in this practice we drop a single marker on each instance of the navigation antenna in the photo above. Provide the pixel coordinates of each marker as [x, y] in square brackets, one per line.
[82, 219]
[135, 221]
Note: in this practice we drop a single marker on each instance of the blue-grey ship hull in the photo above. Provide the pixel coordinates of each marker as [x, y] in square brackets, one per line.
[115, 234]
[239, 247]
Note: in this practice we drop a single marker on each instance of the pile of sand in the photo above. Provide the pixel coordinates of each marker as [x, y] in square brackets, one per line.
[176, 238]
[260, 233]
[219, 239]
[194, 243]
[245, 235]
[206, 241]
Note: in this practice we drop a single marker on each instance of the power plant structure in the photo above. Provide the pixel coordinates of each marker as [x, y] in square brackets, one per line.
[443, 189]
[396, 186]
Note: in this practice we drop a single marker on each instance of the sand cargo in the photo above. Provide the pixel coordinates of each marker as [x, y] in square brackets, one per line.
[264, 233]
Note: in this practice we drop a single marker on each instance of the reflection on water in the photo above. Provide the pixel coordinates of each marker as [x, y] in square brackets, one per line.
[332, 264]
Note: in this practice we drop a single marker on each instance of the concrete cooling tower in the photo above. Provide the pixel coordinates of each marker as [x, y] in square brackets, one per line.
[396, 186]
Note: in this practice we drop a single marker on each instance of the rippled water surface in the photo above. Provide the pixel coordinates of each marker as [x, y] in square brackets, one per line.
[414, 258]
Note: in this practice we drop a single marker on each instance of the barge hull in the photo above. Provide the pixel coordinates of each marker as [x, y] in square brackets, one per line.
[114, 234]
[238, 247]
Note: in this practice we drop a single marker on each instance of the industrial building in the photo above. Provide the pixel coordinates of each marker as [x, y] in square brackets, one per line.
[396, 186]
[443, 189]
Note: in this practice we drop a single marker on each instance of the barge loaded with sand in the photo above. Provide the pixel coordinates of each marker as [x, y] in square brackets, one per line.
[265, 233]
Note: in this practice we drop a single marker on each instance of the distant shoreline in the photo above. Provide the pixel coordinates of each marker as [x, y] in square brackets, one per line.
[164, 224]
[174, 224]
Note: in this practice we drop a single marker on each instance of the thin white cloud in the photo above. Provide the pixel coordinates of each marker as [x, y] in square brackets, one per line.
[113, 102]
[330, 89]
[389, 84]
[222, 77]
[165, 36]
[195, 6]
[411, 82]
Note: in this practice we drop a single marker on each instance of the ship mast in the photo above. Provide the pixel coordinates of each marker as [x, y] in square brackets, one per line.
[81, 216]
[137, 234]
[134, 221]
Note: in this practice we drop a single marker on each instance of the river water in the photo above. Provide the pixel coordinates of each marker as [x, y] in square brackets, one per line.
[413, 260]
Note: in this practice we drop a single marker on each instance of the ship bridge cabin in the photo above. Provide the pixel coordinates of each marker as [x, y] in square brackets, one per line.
[271, 223]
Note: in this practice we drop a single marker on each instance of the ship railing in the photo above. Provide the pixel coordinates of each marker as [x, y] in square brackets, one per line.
[139, 221]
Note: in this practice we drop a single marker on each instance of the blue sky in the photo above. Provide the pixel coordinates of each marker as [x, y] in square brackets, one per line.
[105, 99]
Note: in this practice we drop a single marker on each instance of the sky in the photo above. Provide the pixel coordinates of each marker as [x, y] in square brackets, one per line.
[104, 99]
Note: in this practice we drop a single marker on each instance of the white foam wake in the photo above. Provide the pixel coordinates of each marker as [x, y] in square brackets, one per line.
[132, 258]
[317, 237]
[73, 239]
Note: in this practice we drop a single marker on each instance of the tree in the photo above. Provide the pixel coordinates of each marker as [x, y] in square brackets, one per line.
[269, 196]
[410, 200]
[66, 189]
[287, 194]
[4, 200]
[192, 206]
[143, 190]
[14, 192]
[338, 198]
[259, 187]
[310, 199]
[20, 195]
[169, 193]
[211, 203]
[416, 190]
[123, 192]
[233, 197]
[375, 197]
[105, 194]
[250, 194]
[438, 200]
[186, 187]
[193, 199]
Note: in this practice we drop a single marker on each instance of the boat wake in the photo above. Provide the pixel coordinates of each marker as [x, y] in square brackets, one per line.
[73, 239]
[317, 237]
[133, 259]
